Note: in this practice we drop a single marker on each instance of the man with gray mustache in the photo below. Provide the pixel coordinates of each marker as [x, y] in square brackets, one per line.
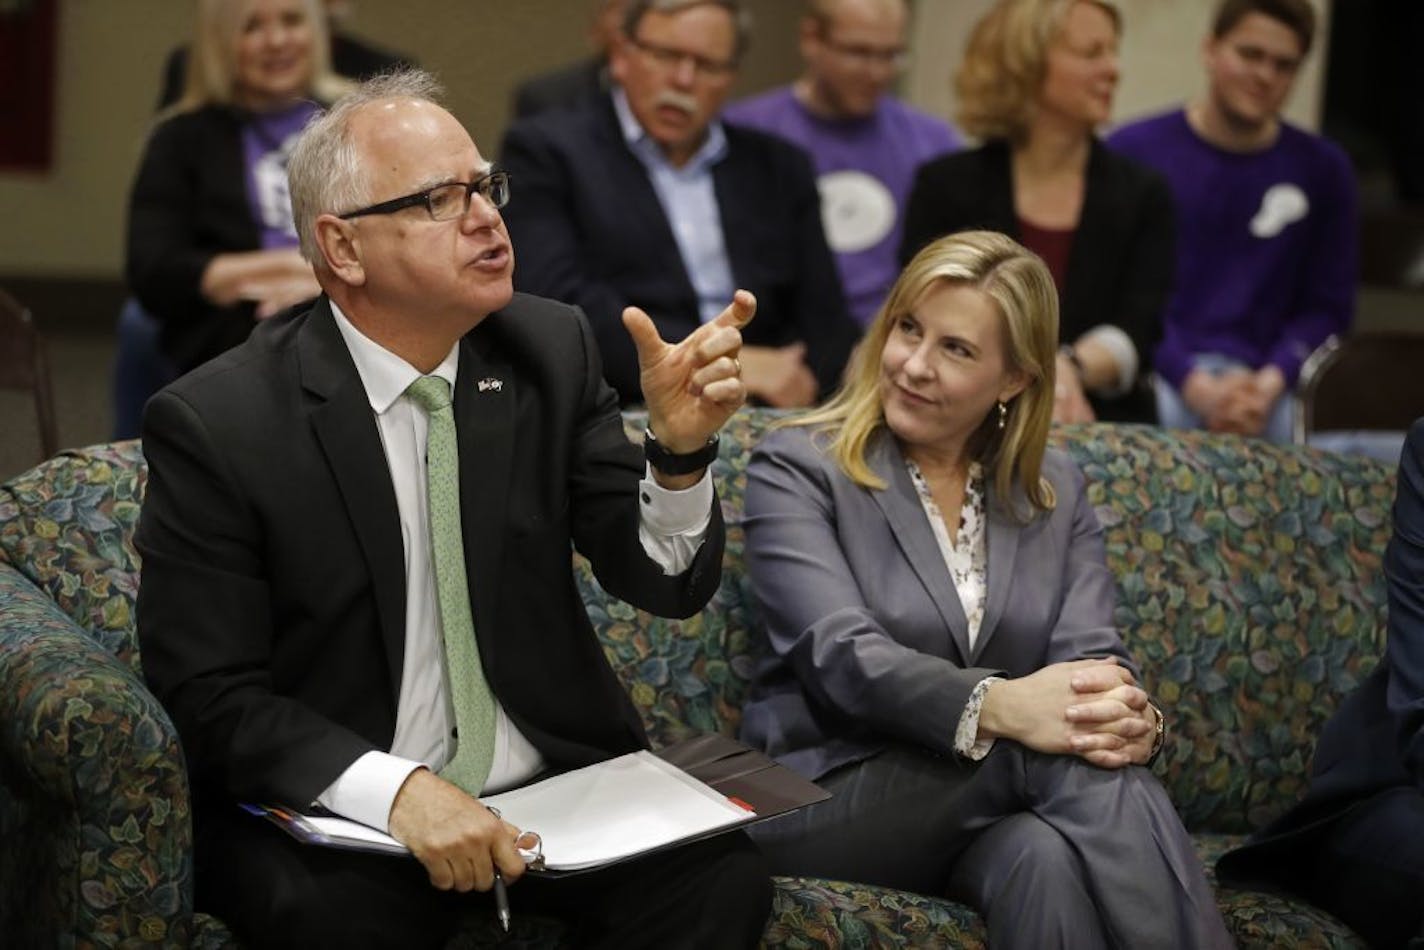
[647, 199]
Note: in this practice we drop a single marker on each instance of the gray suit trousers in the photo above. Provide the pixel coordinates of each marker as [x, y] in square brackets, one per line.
[1053, 851]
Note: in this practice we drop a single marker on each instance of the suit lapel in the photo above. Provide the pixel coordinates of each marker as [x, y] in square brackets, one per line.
[901, 505]
[1003, 542]
[635, 203]
[485, 401]
[738, 217]
[347, 433]
[1093, 233]
[999, 177]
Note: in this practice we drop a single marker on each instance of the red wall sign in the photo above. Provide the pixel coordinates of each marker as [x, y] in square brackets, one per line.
[27, 59]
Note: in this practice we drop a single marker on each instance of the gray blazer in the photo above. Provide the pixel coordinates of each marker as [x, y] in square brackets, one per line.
[867, 640]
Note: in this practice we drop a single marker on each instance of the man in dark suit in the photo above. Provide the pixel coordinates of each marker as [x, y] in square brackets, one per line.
[1355, 844]
[647, 199]
[297, 607]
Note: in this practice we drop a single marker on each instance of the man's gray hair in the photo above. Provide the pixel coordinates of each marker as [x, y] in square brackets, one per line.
[324, 172]
[741, 17]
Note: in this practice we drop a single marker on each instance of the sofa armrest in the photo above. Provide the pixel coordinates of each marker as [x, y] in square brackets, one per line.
[93, 792]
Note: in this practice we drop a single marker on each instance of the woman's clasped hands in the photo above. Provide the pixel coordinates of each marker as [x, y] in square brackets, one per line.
[1090, 708]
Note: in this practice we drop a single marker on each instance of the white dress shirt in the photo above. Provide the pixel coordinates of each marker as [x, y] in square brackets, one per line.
[966, 557]
[672, 528]
[688, 196]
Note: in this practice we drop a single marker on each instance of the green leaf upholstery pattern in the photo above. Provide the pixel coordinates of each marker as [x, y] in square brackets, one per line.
[1251, 594]
[68, 527]
[1249, 590]
[93, 793]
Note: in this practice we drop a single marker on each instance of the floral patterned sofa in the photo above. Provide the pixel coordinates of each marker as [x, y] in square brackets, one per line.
[1249, 589]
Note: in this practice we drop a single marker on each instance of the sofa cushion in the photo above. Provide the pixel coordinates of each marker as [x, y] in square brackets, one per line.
[68, 524]
[1249, 590]
[92, 787]
[689, 676]
[813, 913]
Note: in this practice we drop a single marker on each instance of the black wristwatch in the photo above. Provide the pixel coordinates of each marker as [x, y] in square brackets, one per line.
[671, 463]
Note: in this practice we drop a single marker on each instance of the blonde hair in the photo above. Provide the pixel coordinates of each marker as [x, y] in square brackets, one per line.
[1021, 287]
[1001, 76]
[212, 60]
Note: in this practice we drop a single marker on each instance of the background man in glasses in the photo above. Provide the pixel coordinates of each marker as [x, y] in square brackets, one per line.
[865, 143]
[648, 199]
[357, 574]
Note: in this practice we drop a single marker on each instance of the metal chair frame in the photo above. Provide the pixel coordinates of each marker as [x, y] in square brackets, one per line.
[1387, 367]
[24, 367]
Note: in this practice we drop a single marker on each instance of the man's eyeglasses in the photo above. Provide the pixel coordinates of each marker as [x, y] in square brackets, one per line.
[1284, 66]
[669, 59]
[894, 57]
[445, 202]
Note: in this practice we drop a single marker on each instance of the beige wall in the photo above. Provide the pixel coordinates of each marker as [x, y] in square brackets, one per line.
[70, 221]
[1161, 64]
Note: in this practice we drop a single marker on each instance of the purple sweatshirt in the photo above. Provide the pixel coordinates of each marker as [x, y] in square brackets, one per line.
[864, 169]
[1266, 245]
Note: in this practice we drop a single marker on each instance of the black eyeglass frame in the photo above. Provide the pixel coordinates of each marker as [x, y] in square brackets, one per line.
[495, 176]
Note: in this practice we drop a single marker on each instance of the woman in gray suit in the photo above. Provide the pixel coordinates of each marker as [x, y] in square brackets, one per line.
[941, 651]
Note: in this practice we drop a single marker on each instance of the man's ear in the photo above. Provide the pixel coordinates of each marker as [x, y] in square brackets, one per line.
[340, 248]
[1208, 47]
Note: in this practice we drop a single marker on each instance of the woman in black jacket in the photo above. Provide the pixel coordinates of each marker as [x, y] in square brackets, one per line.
[211, 247]
[1037, 80]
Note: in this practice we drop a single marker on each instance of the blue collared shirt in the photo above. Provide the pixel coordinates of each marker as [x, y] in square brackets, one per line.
[689, 201]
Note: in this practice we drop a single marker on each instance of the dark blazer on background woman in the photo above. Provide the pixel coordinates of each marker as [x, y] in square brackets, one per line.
[1120, 265]
[190, 204]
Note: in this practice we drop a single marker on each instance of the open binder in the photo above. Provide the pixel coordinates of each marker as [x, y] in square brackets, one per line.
[612, 811]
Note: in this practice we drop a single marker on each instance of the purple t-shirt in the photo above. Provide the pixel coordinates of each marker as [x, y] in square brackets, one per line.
[864, 170]
[267, 139]
[1266, 244]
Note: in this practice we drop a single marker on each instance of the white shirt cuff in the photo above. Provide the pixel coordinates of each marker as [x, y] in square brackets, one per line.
[673, 524]
[367, 789]
[1124, 355]
[965, 741]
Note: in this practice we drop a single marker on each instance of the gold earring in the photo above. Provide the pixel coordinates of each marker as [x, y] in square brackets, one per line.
[1003, 416]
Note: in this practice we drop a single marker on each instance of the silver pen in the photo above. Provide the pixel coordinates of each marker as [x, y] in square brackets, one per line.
[501, 893]
[501, 901]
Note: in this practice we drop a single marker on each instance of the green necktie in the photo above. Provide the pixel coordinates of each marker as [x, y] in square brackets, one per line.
[474, 704]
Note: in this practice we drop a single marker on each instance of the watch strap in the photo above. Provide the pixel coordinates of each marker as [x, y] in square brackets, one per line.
[674, 463]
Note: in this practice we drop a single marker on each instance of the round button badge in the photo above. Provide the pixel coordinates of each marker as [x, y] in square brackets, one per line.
[857, 211]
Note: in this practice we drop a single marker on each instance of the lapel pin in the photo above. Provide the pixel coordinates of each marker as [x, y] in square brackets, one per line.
[489, 383]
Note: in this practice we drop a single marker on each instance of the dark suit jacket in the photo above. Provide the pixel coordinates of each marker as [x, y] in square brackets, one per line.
[271, 613]
[1120, 266]
[581, 84]
[1375, 740]
[188, 205]
[868, 640]
[590, 229]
